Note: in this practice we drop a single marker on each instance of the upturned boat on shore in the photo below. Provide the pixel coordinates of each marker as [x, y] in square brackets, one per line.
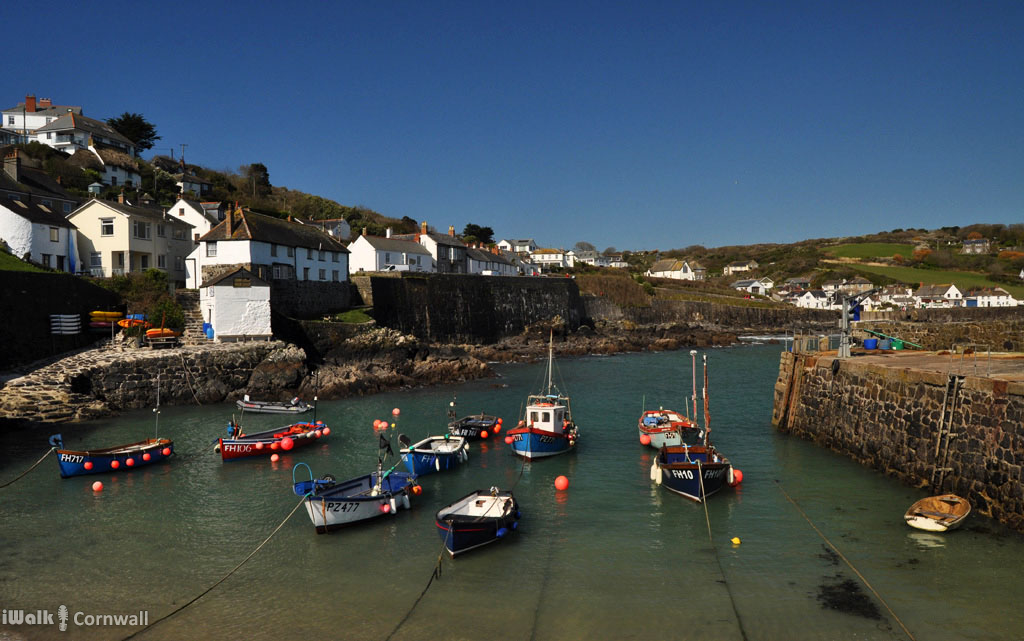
[479, 518]
[547, 428]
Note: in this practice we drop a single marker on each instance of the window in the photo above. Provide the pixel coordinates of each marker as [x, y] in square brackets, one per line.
[142, 229]
[46, 260]
[322, 255]
[181, 211]
[54, 235]
[13, 196]
[120, 259]
[113, 181]
[179, 263]
[211, 249]
[282, 271]
[334, 257]
[241, 282]
[144, 261]
[387, 258]
[48, 203]
[179, 234]
[106, 226]
[273, 249]
[161, 231]
[49, 135]
[161, 261]
[67, 208]
[305, 273]
[323, 274]
[291, 252]
[309, 254]
[10, 120]
[95, 259]
[334, 275]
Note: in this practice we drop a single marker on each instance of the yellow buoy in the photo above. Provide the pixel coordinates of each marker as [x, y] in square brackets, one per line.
[735, 540]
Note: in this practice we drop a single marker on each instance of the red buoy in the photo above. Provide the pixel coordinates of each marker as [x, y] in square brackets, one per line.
[130, 462]
[97, 487]
[561, 483]
[327, 431]
[88, 465]
[259, 445]
[287, 443]
[509, 440]
[274, 458]
[275, 445]
[737, 477]
[115, 464]
[146, 456]
[645, 439]
[484, 434]
[395, 412]
[166, 451]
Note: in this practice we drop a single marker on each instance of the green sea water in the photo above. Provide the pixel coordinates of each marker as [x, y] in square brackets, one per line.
[613, 557]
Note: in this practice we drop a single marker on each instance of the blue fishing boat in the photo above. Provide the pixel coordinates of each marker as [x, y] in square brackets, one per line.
[547, 428]
[119, 458]
[694, 469]
[435, 454]
[477, 519]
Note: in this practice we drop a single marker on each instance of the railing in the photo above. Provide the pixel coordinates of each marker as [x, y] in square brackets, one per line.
[801, 342]
[964, 357]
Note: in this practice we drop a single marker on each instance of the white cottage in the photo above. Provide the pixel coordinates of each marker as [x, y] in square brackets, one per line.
[376, 254]
[237, 307]
[677, 269]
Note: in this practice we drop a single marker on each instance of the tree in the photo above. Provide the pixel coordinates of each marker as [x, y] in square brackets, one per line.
[608, 251]
[258, 179]
[583, 246]
[136, 129]
[478, 234]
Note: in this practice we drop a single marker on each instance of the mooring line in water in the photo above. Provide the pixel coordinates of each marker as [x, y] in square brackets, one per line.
[224, 578]
[187, 372]
[34, 466]
[845, 560]
[436, 574]
[718, 559]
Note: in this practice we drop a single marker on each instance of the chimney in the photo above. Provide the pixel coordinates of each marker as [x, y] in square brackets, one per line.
[12, 165]
[451, 230]
[30, 104]
[120, 197]
[230, 219]
[44, 103]
[387, 234]
[423, 227]
[364, 231]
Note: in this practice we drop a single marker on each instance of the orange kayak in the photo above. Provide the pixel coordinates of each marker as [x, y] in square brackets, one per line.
[133, 322]
[161, 333]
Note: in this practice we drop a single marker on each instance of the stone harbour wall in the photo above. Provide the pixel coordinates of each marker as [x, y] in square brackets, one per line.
[888, 418]
[1002, 334]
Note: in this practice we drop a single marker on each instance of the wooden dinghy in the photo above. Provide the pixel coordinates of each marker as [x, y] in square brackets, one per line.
[477, 519]
[938, 513]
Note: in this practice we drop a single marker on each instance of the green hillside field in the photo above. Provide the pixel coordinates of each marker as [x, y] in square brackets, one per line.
[9, 263]
[963, 280]
[870, 250]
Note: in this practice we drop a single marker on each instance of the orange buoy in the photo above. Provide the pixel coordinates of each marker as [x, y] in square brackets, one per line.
[645, 439]
[115, 464]
[274, 458]
[561, 483]
[484, 434]
[97, 486]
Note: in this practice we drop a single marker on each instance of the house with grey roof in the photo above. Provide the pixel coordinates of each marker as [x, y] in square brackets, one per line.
[382, 254]
[25, 117]
[943, 295]
[739, 266]
[202, 216]
[70, 132]
[447, 251]
[677, 269]
[489, 262]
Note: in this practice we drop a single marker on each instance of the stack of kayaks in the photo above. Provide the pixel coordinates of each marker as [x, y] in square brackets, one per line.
[100, 321]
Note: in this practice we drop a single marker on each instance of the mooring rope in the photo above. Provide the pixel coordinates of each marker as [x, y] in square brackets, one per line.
[184, 366]
[225, 577]
[714, 548]
[845, 560]
[34, 465]
[436, 574]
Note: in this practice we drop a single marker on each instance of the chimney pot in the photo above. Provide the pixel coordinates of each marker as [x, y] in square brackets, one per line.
[45, 102]
[120, 197]
[12, 165]
[423, 227]
[451, 230]
[387, 234]
[230, 220]
[30, 105]
[364, 231]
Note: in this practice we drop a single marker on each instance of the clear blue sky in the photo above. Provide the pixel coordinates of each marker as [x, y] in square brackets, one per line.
[634, 125]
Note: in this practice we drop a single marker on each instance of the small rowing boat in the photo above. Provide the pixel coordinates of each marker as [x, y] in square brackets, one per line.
[294, 406]
[938, 513]
[474, 427]
[477, 519]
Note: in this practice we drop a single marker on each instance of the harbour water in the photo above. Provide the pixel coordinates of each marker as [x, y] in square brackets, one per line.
[613, 557]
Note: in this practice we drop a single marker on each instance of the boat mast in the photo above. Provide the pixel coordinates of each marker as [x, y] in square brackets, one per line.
[551, 342]
[156, 410]
[693, 370]
[707, 413]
